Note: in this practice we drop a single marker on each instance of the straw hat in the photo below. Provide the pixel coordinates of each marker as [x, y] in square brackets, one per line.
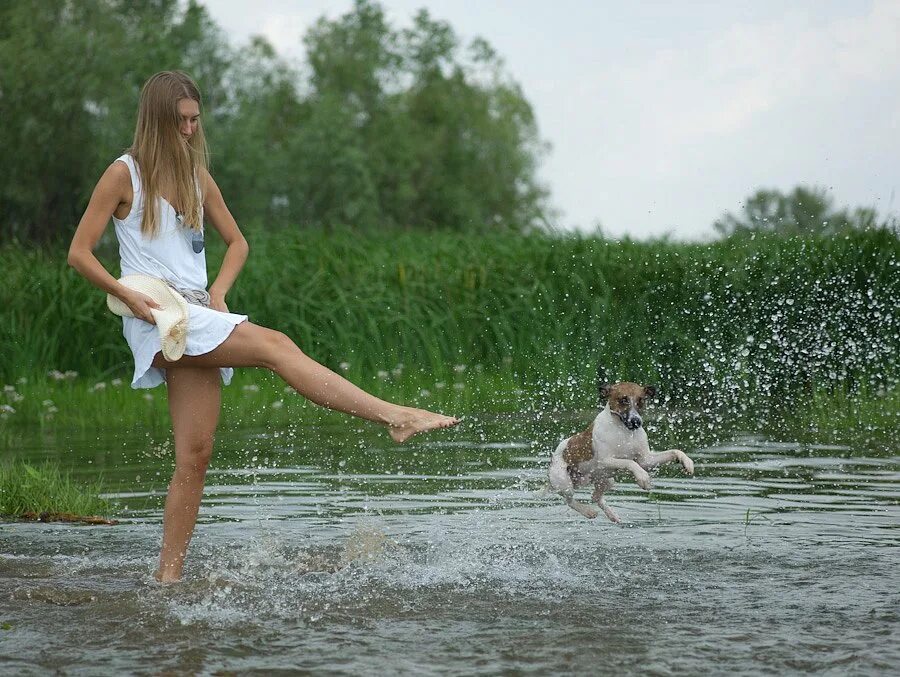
[171, 318]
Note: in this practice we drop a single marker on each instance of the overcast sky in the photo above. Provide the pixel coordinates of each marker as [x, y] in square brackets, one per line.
[663, 115]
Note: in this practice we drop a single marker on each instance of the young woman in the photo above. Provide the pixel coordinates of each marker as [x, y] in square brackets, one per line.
[158, 195]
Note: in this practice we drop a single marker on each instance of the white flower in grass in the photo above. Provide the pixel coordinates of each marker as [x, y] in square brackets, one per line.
[479, 367]
[52, 410]
[251, 388]
[9, 389]
[397, 371]
[148, 397]
[56, 375]
[440, 385]
[47, 403]
[344, 366]
[6, 409]
[69, 375]
[382, 374]
[424, 393]
[17, 397]
[459, 386]
[288, 389]
[459, 368]
[116, 382]
[277, 404]
[98, 386]
[22, 381]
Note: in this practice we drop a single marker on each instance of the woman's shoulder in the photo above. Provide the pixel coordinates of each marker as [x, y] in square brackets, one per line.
[117, 177]
[206, 181]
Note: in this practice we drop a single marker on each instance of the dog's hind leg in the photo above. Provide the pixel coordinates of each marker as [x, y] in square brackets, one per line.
[563, 485]
[600, 487]
[579, 507]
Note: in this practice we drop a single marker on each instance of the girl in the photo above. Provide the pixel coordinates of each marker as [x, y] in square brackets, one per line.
[158, 195]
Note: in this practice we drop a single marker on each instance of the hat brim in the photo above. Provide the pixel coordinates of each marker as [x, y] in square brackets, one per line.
[171, 318]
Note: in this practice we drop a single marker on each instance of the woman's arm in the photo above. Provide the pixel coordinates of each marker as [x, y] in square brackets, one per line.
[221, 219]
[113, 188]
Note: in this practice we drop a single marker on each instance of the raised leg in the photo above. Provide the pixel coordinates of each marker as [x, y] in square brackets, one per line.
[640, 475]
[652, 460]
[194, 399]
[250, 345]
[600, 487]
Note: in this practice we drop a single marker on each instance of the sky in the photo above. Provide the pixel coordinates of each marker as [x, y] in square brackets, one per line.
[661, 116]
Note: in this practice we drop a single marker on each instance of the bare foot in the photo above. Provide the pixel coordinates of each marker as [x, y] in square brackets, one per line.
[414, 421]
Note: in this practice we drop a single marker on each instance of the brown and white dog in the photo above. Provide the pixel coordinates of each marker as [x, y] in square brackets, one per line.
[615, 441]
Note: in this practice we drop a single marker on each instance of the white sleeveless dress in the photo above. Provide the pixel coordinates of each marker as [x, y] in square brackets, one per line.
[168, 255]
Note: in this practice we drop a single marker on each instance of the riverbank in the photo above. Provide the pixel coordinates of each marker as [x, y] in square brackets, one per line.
[45, 493]
[499, 322]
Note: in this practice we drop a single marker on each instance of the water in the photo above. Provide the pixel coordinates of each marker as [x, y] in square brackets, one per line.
[330, 550]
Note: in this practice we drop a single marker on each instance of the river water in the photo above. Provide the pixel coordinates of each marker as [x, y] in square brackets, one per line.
[329, 550]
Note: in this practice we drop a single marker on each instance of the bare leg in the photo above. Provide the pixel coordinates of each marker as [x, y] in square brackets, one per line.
[600, 487]
[652, 460]
[253, 346]
[194, 399]
[640, 475]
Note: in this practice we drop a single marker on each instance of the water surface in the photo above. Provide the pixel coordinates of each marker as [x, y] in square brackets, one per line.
[332, 550]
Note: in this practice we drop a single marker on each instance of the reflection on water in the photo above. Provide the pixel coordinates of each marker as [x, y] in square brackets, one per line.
[332, 550]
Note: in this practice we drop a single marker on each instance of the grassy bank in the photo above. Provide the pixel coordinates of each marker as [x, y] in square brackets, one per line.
[728, 323]
[45, 492]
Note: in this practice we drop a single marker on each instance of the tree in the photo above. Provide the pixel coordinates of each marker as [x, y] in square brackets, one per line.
[803, 211]
[70, 75]
[385, 127]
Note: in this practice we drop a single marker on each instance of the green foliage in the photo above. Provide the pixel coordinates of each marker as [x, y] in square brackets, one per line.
[28, 488]
[393, 128]
[738, 319]
[388, 127]
[70, 76]
[803, 211]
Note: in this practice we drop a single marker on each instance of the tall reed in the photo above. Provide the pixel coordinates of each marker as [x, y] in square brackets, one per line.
[731, 319]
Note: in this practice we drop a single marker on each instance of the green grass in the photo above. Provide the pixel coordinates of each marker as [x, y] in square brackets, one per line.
[734, 323]
[26, 488]
[259, 398]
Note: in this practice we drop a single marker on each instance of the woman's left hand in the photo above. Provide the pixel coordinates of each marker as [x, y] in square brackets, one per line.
[217, 302]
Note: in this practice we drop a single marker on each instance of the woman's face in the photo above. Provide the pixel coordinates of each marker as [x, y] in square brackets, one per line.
[188, 117]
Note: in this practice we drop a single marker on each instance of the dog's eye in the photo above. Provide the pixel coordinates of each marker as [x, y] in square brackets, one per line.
[623, 400]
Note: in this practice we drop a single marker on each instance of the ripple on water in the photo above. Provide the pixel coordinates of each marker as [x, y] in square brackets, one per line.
[432, 564]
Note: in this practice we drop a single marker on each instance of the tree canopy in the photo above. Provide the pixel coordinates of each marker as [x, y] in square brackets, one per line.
[380, 126]
[803, 211]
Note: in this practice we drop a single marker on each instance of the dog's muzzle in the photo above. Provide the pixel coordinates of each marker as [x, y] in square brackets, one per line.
[631, 420]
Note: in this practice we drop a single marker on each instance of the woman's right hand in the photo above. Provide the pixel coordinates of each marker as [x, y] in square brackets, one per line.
[140, 304]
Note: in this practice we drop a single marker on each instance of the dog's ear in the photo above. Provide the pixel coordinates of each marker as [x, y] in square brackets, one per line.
[603, 384]
[649, 391]
[603, 389]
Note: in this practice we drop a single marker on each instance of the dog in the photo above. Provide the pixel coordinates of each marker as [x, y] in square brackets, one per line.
[616, 440]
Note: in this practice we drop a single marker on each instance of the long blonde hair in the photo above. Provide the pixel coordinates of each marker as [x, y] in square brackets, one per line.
[163, 155]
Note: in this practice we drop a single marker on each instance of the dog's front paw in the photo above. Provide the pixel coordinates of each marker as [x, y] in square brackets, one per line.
[643, 480]
[686, 463]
